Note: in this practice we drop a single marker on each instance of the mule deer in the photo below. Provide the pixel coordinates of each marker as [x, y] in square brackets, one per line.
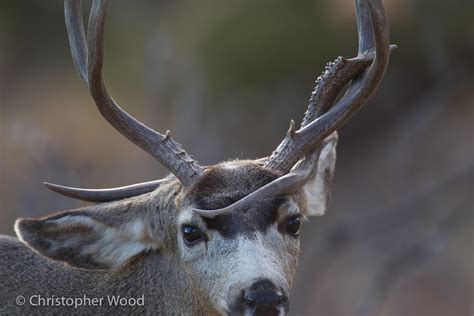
[219, 239]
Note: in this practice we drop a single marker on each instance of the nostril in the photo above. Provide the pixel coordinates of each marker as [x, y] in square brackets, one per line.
[263, 298]
[249, 299]
[280, 297]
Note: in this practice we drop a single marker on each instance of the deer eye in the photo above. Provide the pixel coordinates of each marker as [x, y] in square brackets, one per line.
[293, 225]
[191, 234]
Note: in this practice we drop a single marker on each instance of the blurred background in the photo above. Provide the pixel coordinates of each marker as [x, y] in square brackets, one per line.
[226, 77]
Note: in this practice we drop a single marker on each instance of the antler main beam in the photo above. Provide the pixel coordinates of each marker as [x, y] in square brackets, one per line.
[88, 55]
[373, 30]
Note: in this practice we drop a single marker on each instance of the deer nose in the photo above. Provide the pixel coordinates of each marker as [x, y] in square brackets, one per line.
[264, 298]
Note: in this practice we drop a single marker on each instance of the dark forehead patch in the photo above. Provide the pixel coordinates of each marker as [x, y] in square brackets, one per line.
[223, 185]
[246, 222]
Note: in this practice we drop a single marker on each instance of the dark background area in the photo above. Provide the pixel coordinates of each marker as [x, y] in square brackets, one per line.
[226, 77]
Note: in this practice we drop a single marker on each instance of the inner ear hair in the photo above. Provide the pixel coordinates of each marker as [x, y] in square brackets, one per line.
[317, 190]
[82, 239]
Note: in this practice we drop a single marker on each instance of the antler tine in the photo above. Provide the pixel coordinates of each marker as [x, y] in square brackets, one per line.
[373, 28]
[77, 36]
[106, 195]
[365, 25]
[162, 147]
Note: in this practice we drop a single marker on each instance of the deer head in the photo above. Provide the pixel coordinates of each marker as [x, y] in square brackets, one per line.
[233, 228]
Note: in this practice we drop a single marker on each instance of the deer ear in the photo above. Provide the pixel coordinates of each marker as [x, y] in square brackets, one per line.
[318, 188]
[91, 239]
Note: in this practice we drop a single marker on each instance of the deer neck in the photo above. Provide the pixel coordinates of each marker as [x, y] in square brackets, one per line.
[156, 277]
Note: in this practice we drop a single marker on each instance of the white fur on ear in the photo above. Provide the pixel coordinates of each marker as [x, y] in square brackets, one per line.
[318, 189]
[83, 241]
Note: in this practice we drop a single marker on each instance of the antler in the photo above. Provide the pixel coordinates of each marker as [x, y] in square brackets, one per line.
[106, 195]
[300, 150]
[297, 146]
[373, 30]
[88, 56]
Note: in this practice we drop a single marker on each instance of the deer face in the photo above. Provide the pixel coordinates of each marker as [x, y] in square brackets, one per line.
[244, 261]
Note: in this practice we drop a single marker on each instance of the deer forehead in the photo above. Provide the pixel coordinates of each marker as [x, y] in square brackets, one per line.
[226, 183]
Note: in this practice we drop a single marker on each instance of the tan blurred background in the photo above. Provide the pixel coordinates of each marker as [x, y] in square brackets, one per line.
[226, 77]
